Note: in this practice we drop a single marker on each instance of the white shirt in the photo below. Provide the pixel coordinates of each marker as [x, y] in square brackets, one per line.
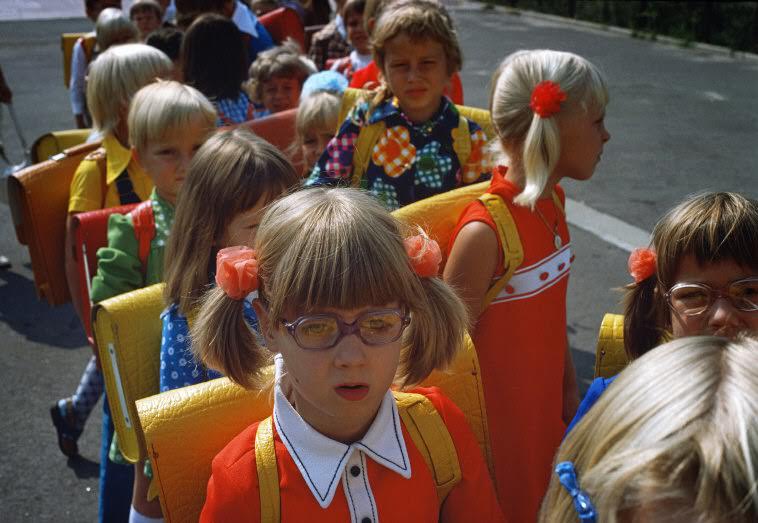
[77, 86]
[325, 463]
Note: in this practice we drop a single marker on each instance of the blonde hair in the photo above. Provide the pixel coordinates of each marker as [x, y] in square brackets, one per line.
[417, 19]
[320, 112]
[711, 227]
[113, 26]
[116, 76]
[534, 143]
[285, 60]
[228, 175]
[676, 436]
[336, 248]
[164, 108]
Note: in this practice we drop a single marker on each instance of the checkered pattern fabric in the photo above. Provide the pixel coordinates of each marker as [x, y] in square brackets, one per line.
[234, 110]
[477, 162]
[431, 166]
[386, 193]
[340, 156]
[394, 151]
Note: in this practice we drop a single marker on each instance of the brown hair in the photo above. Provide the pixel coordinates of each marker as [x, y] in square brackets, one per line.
[711, 227]
[284, 60]
[229, 174]
[417, 19]
[337, 248]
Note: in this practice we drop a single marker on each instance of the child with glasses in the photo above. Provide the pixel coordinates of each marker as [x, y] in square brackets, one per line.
[700, 276]
[674, 440]
[347, 306]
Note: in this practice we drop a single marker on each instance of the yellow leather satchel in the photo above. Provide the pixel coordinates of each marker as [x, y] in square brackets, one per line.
[185, 428]
[127, 332]
[610, 356]
[55, 142]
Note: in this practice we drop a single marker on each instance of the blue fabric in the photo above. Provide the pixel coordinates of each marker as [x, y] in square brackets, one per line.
[596, 390]
[329, 81]
[432, 169]
[116, 481]
[260, 44]
[179, 368]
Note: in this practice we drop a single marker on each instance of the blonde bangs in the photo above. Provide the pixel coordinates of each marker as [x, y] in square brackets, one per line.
[331, 256]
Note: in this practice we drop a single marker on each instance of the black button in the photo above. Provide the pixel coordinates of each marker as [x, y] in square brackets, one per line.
[356, 471]
[366, 520]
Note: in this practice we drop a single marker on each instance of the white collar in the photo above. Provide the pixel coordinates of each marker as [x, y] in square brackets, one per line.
[322, 460]
[359, 61]
[245, 19]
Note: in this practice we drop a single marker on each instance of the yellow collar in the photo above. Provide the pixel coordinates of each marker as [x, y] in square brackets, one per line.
[118, 158]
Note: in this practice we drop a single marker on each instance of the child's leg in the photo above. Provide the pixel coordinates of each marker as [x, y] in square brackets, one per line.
[142, 509]
[70, 414]
[116, 481]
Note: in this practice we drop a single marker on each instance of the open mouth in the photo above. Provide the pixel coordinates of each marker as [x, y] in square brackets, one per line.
[352, 392]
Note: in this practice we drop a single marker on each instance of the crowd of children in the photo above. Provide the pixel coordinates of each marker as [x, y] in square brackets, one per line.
[307, 269]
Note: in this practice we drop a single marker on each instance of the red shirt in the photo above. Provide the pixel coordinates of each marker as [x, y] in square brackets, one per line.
[521, 342]
[233, 494]
[370, 73]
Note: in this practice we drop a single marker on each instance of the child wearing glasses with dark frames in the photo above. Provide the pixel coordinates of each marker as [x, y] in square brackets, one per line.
[349, 306]
[700, 276]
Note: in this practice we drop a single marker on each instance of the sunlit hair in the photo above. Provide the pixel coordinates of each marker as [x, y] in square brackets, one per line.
[710, 227]
[166, 108]
[113, 26]
[316, 114]
[214, 57]
[232, 172]
[338, 248]
[418, 20]
[116, 76]
[529, 141]
[282, 61]
[673, 439]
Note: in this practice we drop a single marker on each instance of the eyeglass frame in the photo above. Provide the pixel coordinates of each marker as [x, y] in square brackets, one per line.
[347, 328]
[714, 295]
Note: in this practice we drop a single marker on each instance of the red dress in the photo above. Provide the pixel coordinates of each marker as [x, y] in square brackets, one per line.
[370, 73]
[521, 343]
[233, 494]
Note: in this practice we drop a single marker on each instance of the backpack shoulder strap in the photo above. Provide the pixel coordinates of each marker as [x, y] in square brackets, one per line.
[88, 44]
[462, 141]
[513, 251]
[143, 220]
[364, 144]
[431, 437]
[268, 476]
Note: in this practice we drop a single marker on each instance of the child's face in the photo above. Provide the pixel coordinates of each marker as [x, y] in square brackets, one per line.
[166, 160]
[337, 390]
[243, 227]
[356, 33]
[416, 71]
[583, 135]
[722, 318]
[314, 143]
[147, 21]
[280, 93]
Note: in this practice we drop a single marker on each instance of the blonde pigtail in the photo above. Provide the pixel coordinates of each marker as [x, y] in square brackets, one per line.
[542, 148]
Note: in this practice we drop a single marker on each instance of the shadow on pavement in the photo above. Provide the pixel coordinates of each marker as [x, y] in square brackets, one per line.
[584, 362]
[35, 320]
[84, 468]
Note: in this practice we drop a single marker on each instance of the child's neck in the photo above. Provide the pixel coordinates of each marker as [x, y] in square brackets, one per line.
[421, 115]
[515, 175]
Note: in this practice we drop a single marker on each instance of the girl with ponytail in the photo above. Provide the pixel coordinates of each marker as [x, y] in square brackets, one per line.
[347, 306]
[548, 109]
[702, 250]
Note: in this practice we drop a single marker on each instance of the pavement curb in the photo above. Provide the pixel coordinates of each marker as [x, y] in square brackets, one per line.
[668, 40]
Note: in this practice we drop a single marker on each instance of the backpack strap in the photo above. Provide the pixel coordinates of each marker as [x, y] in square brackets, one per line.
[462, 141]
[431, 437]
[143, 221]
[268, 476]
[513, 251]
[364, 145]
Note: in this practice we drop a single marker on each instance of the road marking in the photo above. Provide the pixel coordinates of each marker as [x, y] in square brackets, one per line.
[713, 96]
[606, 227]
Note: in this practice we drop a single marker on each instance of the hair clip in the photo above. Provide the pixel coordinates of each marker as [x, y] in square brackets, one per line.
[237, 271]
[582, 503]
[642, 264]
[424, 254]
[546, 99]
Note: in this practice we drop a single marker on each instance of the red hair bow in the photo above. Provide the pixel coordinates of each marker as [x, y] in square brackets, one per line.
[424, 254]
[237, 271]
[546, 99]
[642, 263]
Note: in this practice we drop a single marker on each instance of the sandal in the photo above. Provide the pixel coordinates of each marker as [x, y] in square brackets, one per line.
[64, 426]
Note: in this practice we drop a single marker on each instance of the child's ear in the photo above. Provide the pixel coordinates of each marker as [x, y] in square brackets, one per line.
[135, 154]
[370, 25]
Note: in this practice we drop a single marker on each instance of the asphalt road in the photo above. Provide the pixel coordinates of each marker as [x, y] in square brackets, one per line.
[681, 120]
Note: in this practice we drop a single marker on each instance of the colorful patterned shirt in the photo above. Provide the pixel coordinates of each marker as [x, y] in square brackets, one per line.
[410, 161]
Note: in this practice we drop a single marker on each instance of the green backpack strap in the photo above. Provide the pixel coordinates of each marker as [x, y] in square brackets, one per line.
[513, 251]
[268, 476]
[431, 437]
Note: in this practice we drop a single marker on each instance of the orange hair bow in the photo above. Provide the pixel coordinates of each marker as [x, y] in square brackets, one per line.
[424, 254]
[237, 271]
